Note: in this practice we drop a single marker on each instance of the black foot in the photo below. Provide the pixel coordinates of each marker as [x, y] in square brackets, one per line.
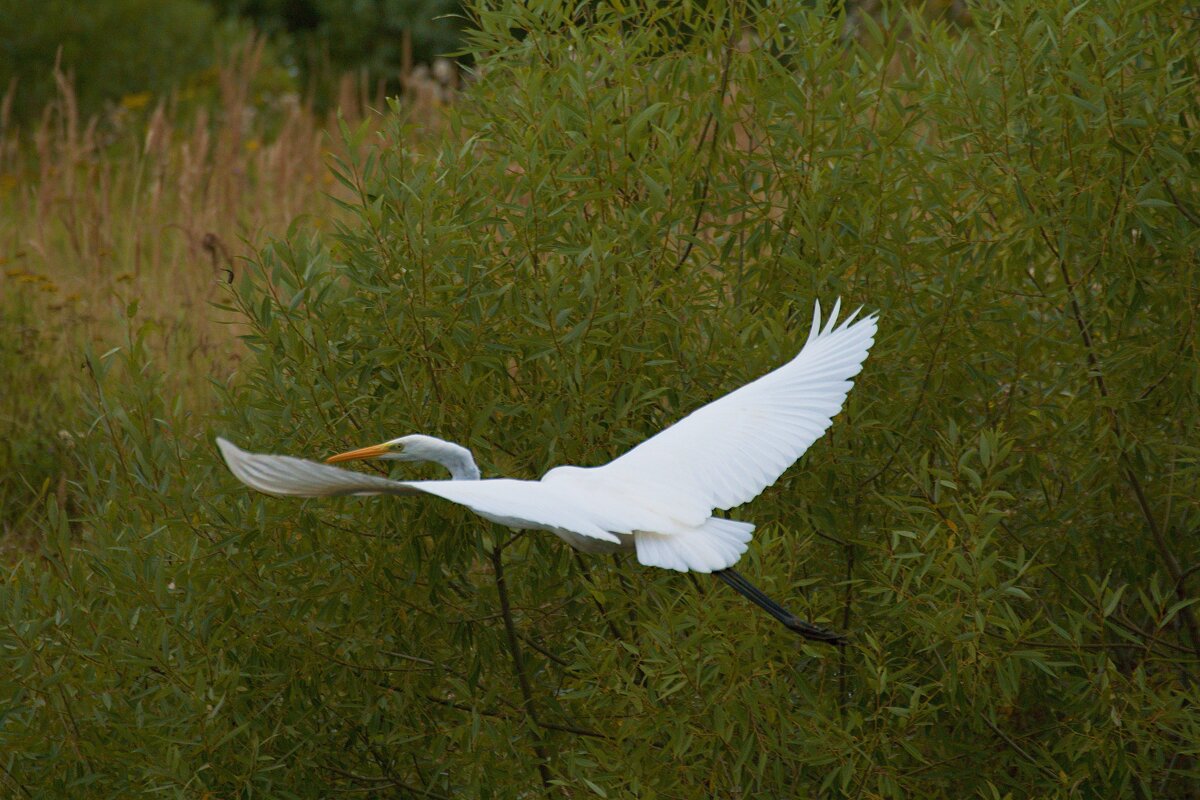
[816, 632]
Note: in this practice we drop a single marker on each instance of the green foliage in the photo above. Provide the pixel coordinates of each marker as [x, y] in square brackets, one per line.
[113, 48]
[34, 464]
[631, 214]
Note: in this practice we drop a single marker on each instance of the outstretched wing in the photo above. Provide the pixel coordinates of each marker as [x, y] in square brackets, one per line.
[725, 453]
[284, 476]
[518, 504]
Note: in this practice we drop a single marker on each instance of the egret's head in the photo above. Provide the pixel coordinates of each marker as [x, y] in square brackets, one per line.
[417, 447]
[406, 448]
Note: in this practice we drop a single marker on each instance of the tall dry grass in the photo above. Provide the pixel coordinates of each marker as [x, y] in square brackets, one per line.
[130, 223]
[154, 204]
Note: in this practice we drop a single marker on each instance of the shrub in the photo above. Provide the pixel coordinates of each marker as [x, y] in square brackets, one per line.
[631, 214]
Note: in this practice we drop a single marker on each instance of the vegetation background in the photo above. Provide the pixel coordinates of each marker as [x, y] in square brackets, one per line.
[627, 211]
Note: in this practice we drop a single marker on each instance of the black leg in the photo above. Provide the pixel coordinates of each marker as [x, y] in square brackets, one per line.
[755, 595]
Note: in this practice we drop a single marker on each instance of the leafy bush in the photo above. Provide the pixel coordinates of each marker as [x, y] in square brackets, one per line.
[35, 467]
[631, 214]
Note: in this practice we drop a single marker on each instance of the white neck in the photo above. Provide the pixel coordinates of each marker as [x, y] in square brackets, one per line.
[460, 462]
[456, 458]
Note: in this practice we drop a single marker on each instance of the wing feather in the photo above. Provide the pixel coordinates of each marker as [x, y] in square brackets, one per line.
[530, 505]
[725, 453]
[284, 476]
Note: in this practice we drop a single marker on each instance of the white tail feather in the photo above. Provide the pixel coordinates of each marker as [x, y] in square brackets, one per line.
[715, 545]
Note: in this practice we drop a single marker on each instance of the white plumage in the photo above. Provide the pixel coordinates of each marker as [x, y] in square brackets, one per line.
[660, 496]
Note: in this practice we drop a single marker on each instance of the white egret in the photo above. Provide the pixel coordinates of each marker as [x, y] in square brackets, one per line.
[657, 499]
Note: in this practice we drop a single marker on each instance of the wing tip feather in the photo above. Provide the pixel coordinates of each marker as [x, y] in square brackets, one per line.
[867, 325]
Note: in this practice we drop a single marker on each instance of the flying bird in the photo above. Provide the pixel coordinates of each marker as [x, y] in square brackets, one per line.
[657, 499]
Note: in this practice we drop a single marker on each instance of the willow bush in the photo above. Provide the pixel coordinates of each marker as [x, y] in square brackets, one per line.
[632, 212]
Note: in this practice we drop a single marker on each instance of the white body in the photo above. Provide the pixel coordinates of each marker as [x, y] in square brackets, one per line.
[660, 496]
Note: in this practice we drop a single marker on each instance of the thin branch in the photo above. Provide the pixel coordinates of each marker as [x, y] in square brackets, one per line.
[15, 782]
[1052, 773]
[1126, 468]
[1187, 213]
[529, 640]
[378, 783]
[1187, 573]
[514, 648]
[1150, 640]
[916, 407]
[555, 726]
[710, 120]
[587, 576]
[847, 607]
[497, 714]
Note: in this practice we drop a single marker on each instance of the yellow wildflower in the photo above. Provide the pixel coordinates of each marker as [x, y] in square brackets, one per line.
[135, 101]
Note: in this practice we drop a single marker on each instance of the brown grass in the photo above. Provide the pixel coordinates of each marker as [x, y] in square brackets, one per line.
[133, 222]
[156, 203]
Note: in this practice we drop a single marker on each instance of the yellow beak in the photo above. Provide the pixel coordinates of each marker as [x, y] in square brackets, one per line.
[374, 451]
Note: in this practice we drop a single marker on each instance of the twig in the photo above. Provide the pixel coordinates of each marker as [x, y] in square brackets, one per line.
[1126, 468]
[642, 678]
[15, 782]
[916, 407]
[587, 576]
[712, 120]
[1187, 214]
[1149, 639]
[108, 419]
[381, 783]
[843, 667]
[74, 727]
[1187, 573]
[514, 648]
[1053, 774]
[529, 640]
[497, 714]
